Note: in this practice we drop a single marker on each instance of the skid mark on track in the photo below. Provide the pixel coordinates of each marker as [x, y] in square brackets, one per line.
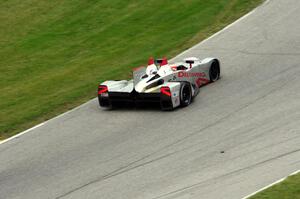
[226, 175]
[128, 166]
[112, 174]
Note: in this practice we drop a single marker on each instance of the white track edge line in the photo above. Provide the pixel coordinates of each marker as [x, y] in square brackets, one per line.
[212, 36]
[43, 123]
[19, 134]
[225, 28]
[270, 185]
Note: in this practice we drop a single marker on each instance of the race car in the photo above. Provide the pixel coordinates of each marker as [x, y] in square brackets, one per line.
[167, 85]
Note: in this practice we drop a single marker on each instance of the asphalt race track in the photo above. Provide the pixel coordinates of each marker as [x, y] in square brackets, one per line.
[239, 135]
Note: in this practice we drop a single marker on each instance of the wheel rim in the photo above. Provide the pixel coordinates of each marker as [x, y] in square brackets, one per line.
[186, 95]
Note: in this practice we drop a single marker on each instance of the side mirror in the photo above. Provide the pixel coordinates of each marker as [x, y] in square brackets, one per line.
[191, 62]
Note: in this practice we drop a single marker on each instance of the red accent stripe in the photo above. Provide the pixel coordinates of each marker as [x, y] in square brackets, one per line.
[164, 62]
[150, 61]
[165, 90]
[200, 81]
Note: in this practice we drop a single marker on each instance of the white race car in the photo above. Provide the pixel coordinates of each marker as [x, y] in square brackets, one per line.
[168, 85]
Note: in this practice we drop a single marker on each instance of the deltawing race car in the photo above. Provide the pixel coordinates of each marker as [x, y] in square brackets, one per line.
[161, 83]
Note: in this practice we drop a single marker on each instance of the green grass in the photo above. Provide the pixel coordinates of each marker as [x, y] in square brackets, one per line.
[54, 53]
[288, 189]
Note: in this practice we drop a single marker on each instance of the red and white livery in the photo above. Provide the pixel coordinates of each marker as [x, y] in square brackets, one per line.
[169, 85]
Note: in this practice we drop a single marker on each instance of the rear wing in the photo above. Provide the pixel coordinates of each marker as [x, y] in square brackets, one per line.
[138, 73]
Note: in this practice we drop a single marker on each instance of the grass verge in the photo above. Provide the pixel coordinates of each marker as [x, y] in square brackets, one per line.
[288, 189]
[54, 53]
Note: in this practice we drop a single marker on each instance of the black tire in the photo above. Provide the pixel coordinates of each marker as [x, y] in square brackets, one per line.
[214, 71]
[185, 94]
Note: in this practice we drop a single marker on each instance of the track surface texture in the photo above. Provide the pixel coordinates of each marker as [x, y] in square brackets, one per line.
[252, 114]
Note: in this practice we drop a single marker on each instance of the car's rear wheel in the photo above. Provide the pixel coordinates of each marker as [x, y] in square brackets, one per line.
[214, 71]
[185, 94]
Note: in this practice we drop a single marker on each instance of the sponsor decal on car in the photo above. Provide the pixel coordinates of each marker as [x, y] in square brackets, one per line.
[186, 74]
